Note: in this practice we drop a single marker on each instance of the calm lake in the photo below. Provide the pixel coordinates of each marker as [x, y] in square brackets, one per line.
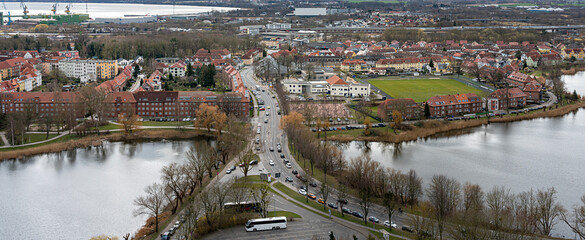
[109, 10]
[525, 155]
[81, 193]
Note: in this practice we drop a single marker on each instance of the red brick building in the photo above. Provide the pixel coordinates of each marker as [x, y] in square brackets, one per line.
[497, 100]
[42, 104]
[454, 105]
[533, 91]
[406, 106]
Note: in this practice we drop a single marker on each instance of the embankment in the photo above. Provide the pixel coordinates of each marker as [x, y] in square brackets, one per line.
[96, 140]
[435, 127]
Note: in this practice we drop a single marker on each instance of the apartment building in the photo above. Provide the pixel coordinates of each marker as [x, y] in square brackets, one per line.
[503, 99]
[406, 106]
[454, 105]
[89, 70]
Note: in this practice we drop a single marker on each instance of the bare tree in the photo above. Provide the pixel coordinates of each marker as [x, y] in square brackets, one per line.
[175, 180]
[444, 195]
[262, 196]
[195, 166]
[244, 161]
[152, 204]
[577, 221]
[558, 84]
[499, 201]
[208, 202]
[341, 195]
[221, 191]
[548, 210]
[191, 213]
[360, 175]
[414, 187]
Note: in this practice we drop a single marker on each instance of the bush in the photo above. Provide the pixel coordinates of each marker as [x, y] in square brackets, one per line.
[223, 220]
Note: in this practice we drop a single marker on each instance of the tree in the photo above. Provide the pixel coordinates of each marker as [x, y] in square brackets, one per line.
[152, 204]
[293, 119]
[518, 54]
[94, 101]
[427, 110]
[360, 175]
[432, 65]
[397, 118]
[189, 72]
[558, 84]
[498, 201]
[444, 195]
[368, 124]
[244, 162]
[136, 71]
[414, 187]
[174, 179]
[129, 123]
[577, 221]
[195, 166]
[341, 195]
[261, 194]
[208, 202]
[548, 210]
[206, 116]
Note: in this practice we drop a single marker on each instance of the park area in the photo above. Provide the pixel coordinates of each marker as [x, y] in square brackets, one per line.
[422, 89]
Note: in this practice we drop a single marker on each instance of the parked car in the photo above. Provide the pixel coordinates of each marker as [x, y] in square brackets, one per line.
[271, 149]
[288, 165]
[295, 172]
[390, 225]
[312, 196]
[253, 162]
[332, 205]
[298, 176]
[281, 155]
[357, 214]
[288, 179]
[321, 200]
[165, 236]
[346, 210]
[271, 163]
[228, 171]
[303, 192]
[344, 201]
[407, 228]
[373, 219]
[303, 187]
[172, 231]
[313, 184]
[177, 224]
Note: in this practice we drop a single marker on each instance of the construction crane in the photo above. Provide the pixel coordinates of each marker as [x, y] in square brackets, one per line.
[24, 8]
[6, 10]
[68, 8]
[54, 8]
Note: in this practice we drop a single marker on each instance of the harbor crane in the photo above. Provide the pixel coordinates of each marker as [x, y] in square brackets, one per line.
[24, 9]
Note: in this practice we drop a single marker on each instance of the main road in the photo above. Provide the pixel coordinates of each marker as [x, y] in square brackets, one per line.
[271, 134]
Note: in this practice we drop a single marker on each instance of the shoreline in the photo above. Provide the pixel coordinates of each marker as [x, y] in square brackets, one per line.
[96, 140]
[440, 127]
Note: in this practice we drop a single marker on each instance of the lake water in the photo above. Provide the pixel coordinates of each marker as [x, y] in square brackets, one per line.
[81, 193]
[535, 154]
[109, 10]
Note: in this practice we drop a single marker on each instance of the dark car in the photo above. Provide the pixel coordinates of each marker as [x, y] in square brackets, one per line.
[332, 205]
[253, 162]
[303, 187]
[281, 155]
[298, 176]
[357, 214]
[165, 236]
[373, 219]
[288, 179]
[346, 210]
[344, 201]
[295, 172]
[407, 228]
[313, 184]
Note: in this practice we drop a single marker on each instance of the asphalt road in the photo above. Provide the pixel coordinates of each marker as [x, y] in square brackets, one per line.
[310, 225]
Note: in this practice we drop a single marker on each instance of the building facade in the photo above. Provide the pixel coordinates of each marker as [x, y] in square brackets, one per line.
[454, 105]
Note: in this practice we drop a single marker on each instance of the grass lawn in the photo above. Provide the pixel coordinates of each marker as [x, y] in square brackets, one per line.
[61, 139]
[154, 123]
[286, 214]
[422, 89]
[37, 137]
[110, 126]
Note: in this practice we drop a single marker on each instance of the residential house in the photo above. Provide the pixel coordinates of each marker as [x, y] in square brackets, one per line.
[354, 66]
[533, 91]
[519, 79]
[120, 103]
[178, 69]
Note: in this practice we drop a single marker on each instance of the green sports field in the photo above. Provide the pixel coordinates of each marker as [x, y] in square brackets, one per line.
[422, 89]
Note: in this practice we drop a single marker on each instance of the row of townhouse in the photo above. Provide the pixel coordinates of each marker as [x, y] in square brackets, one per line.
[148, 105]
[454, 105]
[334, 86]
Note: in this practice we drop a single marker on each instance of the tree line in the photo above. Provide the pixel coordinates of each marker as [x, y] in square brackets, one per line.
[446, 207]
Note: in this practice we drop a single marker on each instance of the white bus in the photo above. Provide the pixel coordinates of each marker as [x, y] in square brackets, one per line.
[266, 224]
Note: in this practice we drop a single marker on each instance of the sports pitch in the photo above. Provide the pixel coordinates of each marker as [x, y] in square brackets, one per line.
[422, 89]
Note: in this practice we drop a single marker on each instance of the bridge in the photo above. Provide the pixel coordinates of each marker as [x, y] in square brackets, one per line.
[431, 29]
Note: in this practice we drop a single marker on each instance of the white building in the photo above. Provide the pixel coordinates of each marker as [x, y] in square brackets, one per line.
[252, 29]
[334, 86]
[278, 26]
[86, 70]
[310, 12]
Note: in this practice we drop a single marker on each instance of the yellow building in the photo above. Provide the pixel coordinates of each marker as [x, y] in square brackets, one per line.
[106, 69]
[5, 73]
[568, 53]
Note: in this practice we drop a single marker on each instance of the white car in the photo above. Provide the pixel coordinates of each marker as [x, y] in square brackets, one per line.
[271, 163]
[288, 165]
[303, 192]
[390, 225]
